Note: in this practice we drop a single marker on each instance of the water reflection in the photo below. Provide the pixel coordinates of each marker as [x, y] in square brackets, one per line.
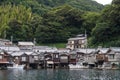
[60, 74]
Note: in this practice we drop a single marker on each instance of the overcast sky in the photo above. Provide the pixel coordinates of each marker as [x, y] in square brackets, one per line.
[104, 1]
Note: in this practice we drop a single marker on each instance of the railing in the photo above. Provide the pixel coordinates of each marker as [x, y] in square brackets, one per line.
[100, 57]
[3, 60]
[113, 59]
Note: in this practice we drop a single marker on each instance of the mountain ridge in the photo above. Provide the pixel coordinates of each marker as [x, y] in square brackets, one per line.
[86, 5]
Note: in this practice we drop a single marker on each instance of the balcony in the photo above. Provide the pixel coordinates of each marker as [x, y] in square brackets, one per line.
[4, 61]
[100, 57]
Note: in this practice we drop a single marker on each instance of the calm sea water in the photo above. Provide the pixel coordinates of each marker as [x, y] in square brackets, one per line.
[61, 74]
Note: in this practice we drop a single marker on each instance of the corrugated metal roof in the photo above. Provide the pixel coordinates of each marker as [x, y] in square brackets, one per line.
[86, 50]
[63, 50]
[17, 53]
[34, 53]
[103, 50]
[4, 40]
[47, 50]
[40, 47]
[116, 49]
[28, 53]
[44, 49]
[77, 38]
[26, 43]
[10, 48]
[72, 52]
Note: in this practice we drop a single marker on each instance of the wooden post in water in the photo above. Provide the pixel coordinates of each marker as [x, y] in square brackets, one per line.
[27, 66]
[38, 67]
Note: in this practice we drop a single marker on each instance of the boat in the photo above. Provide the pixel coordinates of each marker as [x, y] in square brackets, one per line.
[16, 66]
[77, 66]
[106, 65]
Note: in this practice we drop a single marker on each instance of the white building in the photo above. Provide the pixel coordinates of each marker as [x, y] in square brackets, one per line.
[80, 41]
[26, 45]
[9, 49]
[44, 49]
[4, 42]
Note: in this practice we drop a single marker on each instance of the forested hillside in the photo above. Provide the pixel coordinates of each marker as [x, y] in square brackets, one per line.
[107, 29]
[41, 6]
[54, 21]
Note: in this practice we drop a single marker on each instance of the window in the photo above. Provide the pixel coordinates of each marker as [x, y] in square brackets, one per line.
[77, 46]
[16, 57]
[70, 45]
[76, 42]
[111, 56]
[70, 42]
[23, 58]
[37, 50]
[83, 41]
[80, 41]
[72, 56]
[64, 57]
[56, 56]
[0, 56]
[36, 57]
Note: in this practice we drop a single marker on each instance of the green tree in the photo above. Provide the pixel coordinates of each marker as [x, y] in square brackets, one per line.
[101, 33]
[15, 30]
[108, 30]
[90, 20]
[59, 24]
[9, 13]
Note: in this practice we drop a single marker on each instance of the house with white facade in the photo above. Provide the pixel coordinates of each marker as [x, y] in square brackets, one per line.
[26, 45]
[4, 42]
[113, 55]
[44, 49]
[80, 41]
[87, 56]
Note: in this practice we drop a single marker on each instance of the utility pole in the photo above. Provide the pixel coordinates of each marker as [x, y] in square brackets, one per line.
[34, 41]
[4, 34]
[86, 38]
[86, 41]
[11, 38]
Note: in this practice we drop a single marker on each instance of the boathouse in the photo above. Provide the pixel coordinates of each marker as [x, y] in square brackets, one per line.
[72, 58]
[34, 60]
[64, 60]
[4, 59]
[113, 55]
[101, 57]
[56, 59]
[48, 60]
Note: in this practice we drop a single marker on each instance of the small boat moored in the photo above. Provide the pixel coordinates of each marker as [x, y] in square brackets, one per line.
[77, 66]
[16, 66]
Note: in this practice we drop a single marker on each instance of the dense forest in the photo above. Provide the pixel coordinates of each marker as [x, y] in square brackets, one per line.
[54, 21]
